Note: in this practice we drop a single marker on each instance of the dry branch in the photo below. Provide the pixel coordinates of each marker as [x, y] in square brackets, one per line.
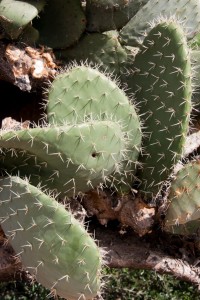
[129, 251]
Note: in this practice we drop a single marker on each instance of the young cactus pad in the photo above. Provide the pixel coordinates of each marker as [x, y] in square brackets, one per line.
[68, 158]
[83, 92]
[187, 11]
[161, 82]
[183, 213]
[52, 245]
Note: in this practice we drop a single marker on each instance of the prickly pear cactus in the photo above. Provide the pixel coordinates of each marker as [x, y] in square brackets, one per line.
[16, 15]
[51, 244]
[182, 214]
[84, 92]
[134, 32]
[99, 49]
[161, 83]
[69, 159]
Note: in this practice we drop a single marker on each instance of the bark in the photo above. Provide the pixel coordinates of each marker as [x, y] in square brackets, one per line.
[26, 67]
[129, 251]
[128, 209]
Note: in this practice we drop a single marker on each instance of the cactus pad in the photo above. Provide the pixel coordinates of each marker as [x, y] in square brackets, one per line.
[51, 244]
[134, 32]
[83, 92]
[161, 82]
[183, 215]
[16, 15]
[97, 49]
[69, 159]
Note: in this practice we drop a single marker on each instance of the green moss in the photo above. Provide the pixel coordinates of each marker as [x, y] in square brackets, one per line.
[146, 285]
[122, 284]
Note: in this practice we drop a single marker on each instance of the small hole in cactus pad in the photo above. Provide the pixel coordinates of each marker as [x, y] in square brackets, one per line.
[95, 154]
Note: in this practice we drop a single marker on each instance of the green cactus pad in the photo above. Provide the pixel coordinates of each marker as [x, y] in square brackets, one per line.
[68, 159]
[161, 82]
[16, 15]
[183, 214]
[104, 15]
[83, 92]
[51, 244]
[134, 32]
[98, 49]
[61, 23]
